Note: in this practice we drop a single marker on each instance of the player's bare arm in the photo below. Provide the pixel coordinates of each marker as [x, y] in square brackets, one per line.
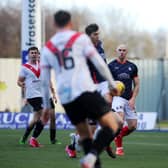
[21, 82]
[53, 92]
[135, 92]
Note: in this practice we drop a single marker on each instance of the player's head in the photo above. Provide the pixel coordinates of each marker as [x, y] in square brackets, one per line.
[92, 31]
[33, 54]
[62, 18]
[122, 51]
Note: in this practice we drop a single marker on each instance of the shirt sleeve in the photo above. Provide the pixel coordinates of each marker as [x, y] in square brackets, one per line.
[88, 50]
[22, 72]
[135, 74]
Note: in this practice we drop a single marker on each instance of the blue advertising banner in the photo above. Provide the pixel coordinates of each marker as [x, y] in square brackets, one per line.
[21, 120]
[146, 120]
[24, 56]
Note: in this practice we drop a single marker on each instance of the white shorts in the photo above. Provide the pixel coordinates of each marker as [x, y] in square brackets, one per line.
[102, 88]
[120, 104]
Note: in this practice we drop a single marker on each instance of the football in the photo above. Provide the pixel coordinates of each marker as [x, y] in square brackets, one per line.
[120, 87]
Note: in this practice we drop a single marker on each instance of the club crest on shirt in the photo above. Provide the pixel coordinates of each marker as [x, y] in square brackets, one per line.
[129, 68]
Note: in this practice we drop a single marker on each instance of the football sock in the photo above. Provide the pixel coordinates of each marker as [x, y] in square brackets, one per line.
[98, 163]
[52, 134]
[124, 132]
[103, 139]
[87, 145]
[38, 129]
[27, 132]
[72, 145]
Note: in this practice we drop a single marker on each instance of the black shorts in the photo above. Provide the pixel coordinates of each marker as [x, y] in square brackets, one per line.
[88, 105]
[36, 103]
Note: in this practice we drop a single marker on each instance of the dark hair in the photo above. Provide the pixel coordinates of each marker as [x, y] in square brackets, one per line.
[62, 18]
[33, 48]
[91, 28]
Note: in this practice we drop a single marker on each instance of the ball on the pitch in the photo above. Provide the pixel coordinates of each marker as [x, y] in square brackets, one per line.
[120, 87]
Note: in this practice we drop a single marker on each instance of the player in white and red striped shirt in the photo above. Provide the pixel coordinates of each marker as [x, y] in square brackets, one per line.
[29, 80]
[67, 52]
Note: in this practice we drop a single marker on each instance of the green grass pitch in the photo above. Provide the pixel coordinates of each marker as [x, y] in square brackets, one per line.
[142, 150]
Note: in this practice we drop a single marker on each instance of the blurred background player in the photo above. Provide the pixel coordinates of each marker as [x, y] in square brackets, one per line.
[127, 72]
[92, 30]
[51, 115]
[29, 80]
[66, 52]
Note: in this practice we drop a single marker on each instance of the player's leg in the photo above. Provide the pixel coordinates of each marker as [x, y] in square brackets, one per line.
[118, 104]
[103, 89]
[103, 138]
[75, 138]
[31, 124]
[126, 130]
[37, 105]
[130, 126]
[71, 149]
[28, 130]
[108, 149]
[37, 130]
[98, 108]
[131, 118]
[52, 127]
[78, 116]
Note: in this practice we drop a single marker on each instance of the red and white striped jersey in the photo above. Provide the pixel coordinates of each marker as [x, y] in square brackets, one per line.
[66, 52]
[31, 73]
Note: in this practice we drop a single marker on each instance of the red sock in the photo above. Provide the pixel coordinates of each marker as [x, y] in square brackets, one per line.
[125, 131]
[118, 140]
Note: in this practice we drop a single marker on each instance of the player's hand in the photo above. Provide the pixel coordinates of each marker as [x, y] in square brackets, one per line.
[131, 103]
[22, 84]
[118, 89]
[113, 90]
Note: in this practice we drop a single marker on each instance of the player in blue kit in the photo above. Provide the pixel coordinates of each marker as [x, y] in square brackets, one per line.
[92, 31]
[127, 72]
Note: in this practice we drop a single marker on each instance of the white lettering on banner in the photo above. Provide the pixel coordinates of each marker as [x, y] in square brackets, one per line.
[21, 118]
[146, 120]
[30, 117]
[61, 119]
[31, 26]
[31, 23]
[8, 118]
